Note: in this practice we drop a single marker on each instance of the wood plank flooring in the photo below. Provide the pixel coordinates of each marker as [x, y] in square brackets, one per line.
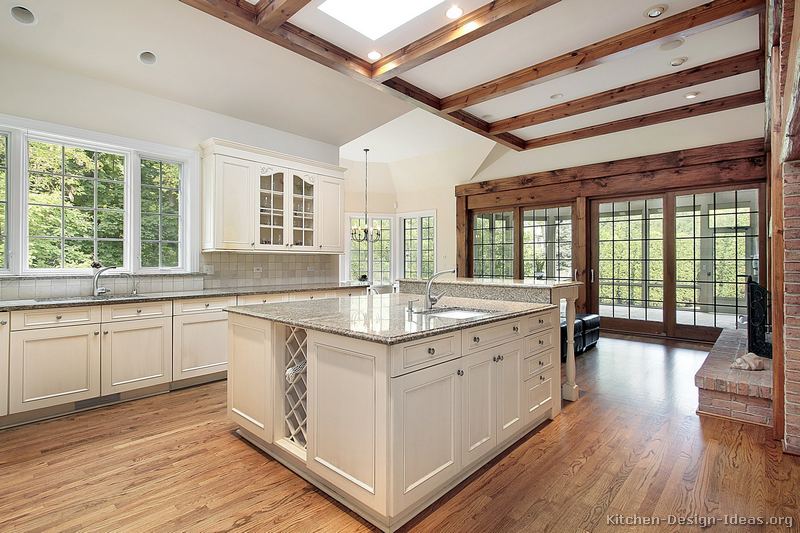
[632, 445]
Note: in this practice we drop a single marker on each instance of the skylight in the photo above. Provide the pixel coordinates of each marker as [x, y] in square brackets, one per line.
[376, 18]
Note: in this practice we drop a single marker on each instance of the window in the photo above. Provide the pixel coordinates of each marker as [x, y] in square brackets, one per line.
[76, 206]
[547, 244]
[493, 245]
[372, 259]
[716, 248]
[160, 220]
[419, 250]
[3, 201]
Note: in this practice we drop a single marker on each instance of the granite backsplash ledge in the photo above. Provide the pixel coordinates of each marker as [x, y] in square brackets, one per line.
[229, 270]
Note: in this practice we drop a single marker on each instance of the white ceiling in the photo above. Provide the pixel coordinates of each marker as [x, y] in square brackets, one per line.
[412, 135]
[202, 61]
[312, 19]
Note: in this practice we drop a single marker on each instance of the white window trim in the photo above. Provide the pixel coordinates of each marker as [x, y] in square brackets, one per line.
[400, 248]
[20, 130]
[344, 262]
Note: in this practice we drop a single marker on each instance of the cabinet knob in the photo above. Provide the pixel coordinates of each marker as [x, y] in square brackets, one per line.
[476, 339]
[138, 311]
[515, 329]
[207, 305]
[494, 359]
[253, 244]
[58, 317]
[502, 357]
[541, 342]
[541, 378]
[105, 332]
[320, 246]
[431, 351]
[541, 363]
[3, 322]
[460, 372]
[541, 321]
[96, 333]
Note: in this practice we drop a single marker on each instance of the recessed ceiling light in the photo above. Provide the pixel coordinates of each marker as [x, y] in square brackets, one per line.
[454, 12]
[375, 19]
[692, 95]
[678, 61]
[147, 57]
[655, 11]
[23, 15]
[470, 26]
[374, 55]
[557, 96]
[672, 45]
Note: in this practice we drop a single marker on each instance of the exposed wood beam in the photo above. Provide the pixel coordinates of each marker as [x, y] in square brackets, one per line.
[483, 21]
[791, 98]
[430, 102]
[272, 13]
[649, 163]
[715, 70]
[701, 18]
[288, 36]
[667, 115]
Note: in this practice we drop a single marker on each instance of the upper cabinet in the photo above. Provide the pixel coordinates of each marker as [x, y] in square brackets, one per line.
[255, 200]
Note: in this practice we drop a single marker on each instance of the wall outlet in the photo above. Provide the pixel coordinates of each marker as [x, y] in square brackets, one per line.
[208, 269]
[258, 270]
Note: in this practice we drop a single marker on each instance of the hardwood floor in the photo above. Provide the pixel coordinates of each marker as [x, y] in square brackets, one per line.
[632, 445]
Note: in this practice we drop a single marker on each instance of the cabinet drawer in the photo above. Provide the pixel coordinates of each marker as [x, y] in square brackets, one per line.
[539, 342]
[48, 318]
[487, 336]
[344, 293]
[536, 364]
[203, 305]
[253, 299]
[538, 396]
[543, 320]
[117, 312]
[311, 295]
[421, 354]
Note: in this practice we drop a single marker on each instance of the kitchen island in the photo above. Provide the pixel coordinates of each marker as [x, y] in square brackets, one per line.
[386, 410]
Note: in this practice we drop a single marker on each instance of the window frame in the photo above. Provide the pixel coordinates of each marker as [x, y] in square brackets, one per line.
[401, 242]
[557, 242]
[344, 263]
[21, 130]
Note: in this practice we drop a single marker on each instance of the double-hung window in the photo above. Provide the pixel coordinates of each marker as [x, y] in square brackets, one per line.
[547, 243]
[418, 245]
[161, 208]
[493, 245]
[371, 260]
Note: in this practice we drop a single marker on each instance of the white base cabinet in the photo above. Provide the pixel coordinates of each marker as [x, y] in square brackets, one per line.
[250, 371]
[53, 366]
[199, 345]
[5, 339]
[136, 354]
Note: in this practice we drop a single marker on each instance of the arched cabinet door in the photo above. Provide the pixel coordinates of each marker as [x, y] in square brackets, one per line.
[302, 211]
[271, 226]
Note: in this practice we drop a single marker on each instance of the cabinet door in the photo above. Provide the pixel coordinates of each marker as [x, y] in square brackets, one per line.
[199, 344]
[136, 354]
[250, 386]
[510, 412]
[330, 215]
[478, 411]
[426, 432]
[538, 396]
[53, 366]
[5, 339]
[301, 211]
[272, 220]
[234, 211]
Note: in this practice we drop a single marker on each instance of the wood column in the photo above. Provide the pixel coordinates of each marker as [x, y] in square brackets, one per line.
[462, 237]
[580, 251]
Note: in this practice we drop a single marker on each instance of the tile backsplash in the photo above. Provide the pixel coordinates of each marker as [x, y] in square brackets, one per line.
[229, 270]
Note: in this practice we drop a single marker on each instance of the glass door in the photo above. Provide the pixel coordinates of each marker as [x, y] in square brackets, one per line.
[271, 208]
[628, 264]
[302, 233]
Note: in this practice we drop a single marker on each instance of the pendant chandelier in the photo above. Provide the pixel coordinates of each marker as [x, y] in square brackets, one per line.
[363, 232]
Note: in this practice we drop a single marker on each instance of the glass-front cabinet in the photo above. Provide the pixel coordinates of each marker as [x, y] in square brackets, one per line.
[302, 205]
[286, 209]
[271, 208]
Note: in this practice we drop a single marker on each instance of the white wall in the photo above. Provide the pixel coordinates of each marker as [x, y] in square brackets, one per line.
[40, 92]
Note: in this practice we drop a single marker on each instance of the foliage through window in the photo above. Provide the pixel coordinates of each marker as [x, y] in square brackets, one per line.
[372, 260]
[76, 207]
[3, 201]
[547, 244]
[419, 251]
[160, 227]
[493, 245]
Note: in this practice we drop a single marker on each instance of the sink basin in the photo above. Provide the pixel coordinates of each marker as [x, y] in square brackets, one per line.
[458, 314]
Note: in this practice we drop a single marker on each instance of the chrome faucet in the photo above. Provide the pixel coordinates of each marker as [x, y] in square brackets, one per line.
[430, 299]
[134, 289]
[99, 291]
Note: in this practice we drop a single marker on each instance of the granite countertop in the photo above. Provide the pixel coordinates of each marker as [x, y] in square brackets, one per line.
[70, 301]
[501, 282]
[383, 318]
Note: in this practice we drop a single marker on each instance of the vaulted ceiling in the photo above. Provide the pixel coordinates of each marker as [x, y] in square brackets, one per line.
[534, 73]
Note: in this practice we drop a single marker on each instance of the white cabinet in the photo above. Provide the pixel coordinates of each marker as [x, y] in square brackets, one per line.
[199, 344]
[538, 395]
[479, 411]
[510, 412]
[261, 201]
[330, 215]
[53, 366]
[136, 354]
[5, 339]
[426, 432]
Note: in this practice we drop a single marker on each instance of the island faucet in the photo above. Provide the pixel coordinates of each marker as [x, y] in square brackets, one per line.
[99, 291]
[430, 299]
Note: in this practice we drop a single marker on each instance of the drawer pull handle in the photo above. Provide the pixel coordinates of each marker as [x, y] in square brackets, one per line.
[501, 357]
[541, 363]
[432, 351]
[541, 321]
[495, 359]
[460, 372]
[138, 311]
[208, 305]
[515, 329]
[541, 378]
[541, 342]
[58, 317]
[476, 339]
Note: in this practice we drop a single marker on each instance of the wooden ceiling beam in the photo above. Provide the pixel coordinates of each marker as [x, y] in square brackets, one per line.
[699, 19]
[667, 115]
[474, 25]
[270, 14]
[715, 70]
[790, 77]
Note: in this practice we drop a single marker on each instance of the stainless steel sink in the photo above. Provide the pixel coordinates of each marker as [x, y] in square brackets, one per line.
[458, 314]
